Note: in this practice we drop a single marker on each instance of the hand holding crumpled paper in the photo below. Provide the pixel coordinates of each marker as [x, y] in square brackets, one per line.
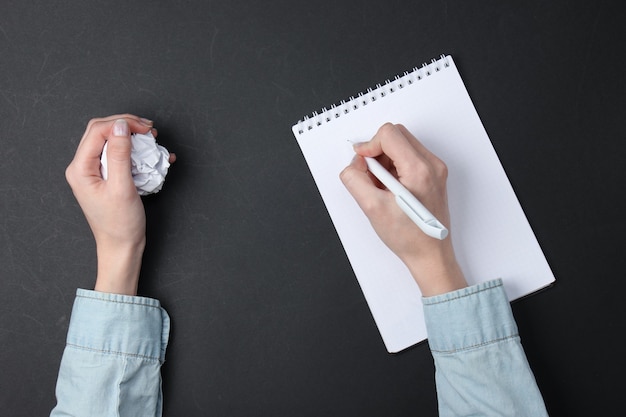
[149, 163]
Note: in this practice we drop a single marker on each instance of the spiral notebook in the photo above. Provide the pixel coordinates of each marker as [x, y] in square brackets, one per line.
[491, 235]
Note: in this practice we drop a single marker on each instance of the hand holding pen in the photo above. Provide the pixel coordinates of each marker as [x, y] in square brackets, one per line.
[431, 261]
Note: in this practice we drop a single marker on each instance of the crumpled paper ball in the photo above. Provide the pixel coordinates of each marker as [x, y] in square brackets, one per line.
[149, 163]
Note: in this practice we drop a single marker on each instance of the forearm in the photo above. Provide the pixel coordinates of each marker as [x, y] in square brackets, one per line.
[481, 367]
[111, 364]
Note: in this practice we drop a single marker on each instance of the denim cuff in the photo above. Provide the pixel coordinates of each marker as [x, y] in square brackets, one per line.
[469, 318]
[119, 325]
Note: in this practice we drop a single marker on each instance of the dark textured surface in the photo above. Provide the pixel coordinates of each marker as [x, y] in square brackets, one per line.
[268, 319]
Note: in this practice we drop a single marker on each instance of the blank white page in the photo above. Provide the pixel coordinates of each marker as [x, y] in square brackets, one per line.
[491, 235]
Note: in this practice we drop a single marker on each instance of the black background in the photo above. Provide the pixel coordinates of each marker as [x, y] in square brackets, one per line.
[268, 318]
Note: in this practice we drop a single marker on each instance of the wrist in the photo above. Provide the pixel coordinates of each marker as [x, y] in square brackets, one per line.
[437, 273]
[119, 267]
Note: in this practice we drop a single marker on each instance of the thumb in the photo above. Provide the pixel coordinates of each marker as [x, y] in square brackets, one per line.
[118, 152]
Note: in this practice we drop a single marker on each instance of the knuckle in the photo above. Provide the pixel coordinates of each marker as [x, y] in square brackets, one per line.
[69, 174]
[91, 125]
[387, 129]
[349, 177]
[346, 175]
[439, 168]
[93, 121]
[373, 207]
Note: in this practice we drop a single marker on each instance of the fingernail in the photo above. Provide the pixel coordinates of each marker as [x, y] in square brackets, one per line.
[120, 128]
[146, 122]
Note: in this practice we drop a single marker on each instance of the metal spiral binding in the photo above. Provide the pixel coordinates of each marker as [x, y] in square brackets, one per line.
[408, 78]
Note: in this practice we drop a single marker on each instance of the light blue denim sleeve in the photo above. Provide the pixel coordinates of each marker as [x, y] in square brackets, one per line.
[112, 361]
[481, 367]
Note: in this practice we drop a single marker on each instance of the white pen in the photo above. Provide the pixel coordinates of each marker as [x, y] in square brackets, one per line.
[408, 202]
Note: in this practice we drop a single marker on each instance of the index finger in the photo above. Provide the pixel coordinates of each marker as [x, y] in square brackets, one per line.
[98, 130]
[397, 149]
[392, 148]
